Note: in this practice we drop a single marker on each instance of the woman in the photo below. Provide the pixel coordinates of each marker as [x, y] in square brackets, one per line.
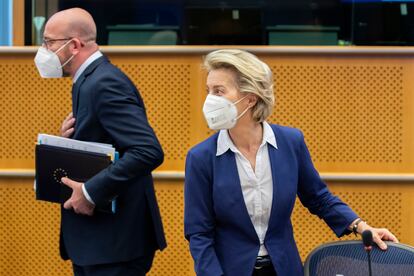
[241, 183]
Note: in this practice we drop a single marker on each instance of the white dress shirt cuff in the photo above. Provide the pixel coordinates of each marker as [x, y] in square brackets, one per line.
[85, 193]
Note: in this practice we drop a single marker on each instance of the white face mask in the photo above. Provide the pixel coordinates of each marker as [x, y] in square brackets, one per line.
[221, 113]
[48, 63]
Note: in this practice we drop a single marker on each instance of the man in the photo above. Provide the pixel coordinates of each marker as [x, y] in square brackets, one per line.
[106, 108]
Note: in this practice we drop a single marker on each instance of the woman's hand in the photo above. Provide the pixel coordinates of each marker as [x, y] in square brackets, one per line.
[379, 235]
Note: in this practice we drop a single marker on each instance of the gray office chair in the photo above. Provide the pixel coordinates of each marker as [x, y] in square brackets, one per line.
[166, 37]
[143, 34]
[348, 258]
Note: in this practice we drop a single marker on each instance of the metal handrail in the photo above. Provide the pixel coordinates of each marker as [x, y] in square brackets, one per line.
[179, 175]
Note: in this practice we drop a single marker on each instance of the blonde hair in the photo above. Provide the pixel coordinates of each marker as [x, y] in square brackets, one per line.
[253, 76]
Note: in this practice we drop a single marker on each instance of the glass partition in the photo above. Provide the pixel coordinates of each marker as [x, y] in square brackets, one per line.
[241, 22]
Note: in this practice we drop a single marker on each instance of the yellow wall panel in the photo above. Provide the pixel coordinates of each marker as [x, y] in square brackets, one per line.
[28, 105]
[167, 85]
[175, 259]
[380, 204]
[29, 233]
[356, 111]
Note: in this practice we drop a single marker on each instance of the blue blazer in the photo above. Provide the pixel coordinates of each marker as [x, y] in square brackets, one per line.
[109, 109]
[222, 237]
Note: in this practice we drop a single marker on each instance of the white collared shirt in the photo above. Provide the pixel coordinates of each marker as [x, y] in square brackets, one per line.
[85, 64]
[257, 186]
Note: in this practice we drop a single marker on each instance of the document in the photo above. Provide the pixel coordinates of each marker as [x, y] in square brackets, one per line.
[58, 157]
[52, 140]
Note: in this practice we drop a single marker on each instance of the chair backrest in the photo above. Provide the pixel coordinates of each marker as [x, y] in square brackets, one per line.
[166, 37]
[142, 34]
[348, 258]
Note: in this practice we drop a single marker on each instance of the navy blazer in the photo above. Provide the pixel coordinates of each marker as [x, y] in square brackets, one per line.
[222, 238]
[109, 109]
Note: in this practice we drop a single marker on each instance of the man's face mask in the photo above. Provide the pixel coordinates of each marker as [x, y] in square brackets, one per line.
[221, 113]
[48, 63]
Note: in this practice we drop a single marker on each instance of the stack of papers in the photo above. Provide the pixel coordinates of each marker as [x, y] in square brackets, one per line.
[57, 141]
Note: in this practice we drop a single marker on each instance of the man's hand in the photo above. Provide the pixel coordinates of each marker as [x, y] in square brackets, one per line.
[77, 201]
[68, 124]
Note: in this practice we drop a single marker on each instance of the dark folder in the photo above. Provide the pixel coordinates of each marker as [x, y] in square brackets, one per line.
[53, 163]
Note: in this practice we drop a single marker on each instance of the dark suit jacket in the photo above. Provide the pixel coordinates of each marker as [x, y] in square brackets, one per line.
[222, 238]
[108, 109]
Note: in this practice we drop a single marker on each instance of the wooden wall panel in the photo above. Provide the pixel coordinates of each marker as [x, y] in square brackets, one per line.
[356, 112]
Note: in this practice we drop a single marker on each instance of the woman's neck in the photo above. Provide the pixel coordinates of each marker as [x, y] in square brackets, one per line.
[247, 136]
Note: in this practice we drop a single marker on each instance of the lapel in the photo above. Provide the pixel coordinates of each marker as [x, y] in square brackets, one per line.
[75, 94]
[275, 161]
[276, 158]
[76, 86]
[227, 167]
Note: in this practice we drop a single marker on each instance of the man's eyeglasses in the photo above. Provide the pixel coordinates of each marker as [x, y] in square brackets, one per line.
[49, 42]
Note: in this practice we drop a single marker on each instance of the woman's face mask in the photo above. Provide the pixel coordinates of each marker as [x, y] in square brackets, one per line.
[48, 63]
[221, 113]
